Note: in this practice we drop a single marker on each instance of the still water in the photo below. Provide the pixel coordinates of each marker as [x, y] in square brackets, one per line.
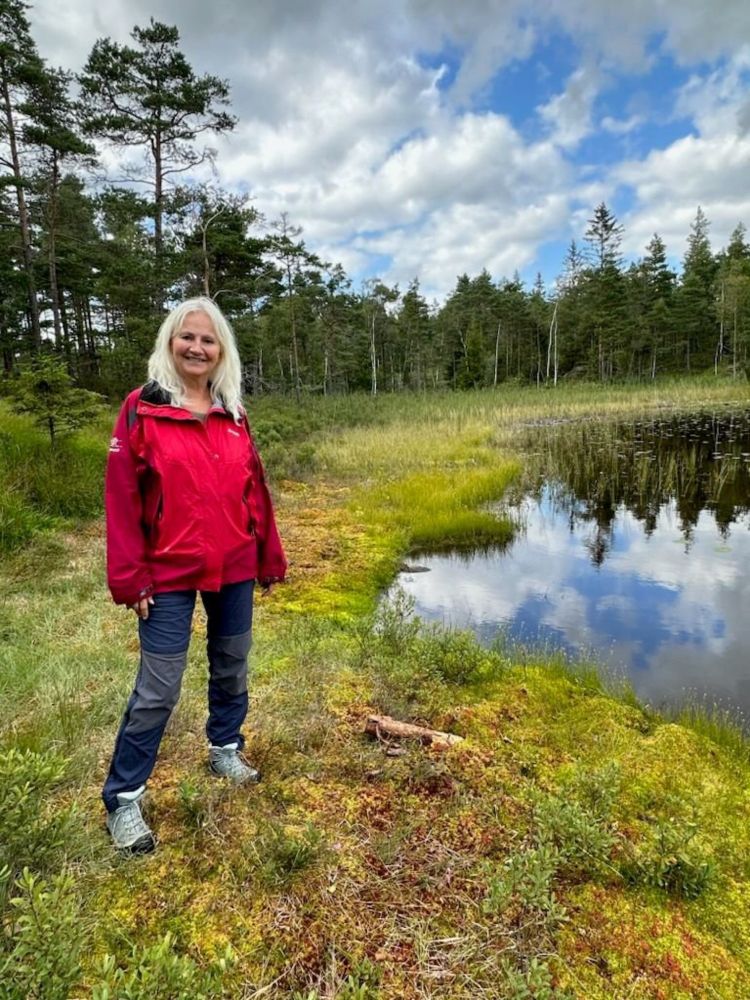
[632, 548]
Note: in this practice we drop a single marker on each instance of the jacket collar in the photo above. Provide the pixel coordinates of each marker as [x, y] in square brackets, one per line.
[157, 402]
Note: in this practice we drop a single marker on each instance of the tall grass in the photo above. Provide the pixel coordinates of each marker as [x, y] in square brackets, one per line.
[44, 486]
[399, 434]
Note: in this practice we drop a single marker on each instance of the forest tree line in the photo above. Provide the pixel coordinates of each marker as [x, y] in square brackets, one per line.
[90, 262]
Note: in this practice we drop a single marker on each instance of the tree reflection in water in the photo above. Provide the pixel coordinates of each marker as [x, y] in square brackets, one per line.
[699, 462]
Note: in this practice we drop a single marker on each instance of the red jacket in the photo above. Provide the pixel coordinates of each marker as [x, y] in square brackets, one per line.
[187, 504]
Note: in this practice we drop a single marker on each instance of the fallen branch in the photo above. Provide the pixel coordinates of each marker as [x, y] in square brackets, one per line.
[382, 726]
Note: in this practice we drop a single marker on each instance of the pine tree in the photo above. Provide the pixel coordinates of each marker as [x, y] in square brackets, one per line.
[220, 255]
[50, 130]
[13, 290]
[20, 66]
[149, 96]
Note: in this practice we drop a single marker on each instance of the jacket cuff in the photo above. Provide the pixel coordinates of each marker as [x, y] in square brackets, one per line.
[122, 596]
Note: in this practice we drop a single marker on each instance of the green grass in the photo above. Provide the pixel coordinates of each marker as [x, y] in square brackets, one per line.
[46, 487]
[573, 845]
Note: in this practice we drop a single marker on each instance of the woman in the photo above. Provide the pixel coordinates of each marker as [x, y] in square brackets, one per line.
[188, 510]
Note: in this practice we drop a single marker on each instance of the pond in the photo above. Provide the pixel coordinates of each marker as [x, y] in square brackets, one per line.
[632, 549]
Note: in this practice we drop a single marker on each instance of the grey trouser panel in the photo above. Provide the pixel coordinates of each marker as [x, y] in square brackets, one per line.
[157, 689]
[227, 659]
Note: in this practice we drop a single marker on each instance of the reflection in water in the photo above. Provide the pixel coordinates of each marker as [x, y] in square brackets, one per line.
[701, 462]
[633, 547]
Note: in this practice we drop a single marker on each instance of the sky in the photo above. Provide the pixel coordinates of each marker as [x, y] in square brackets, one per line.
[430, 138]
[670, 614]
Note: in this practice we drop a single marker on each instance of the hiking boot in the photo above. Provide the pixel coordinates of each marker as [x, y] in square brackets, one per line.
[127, 827]
[228, 762]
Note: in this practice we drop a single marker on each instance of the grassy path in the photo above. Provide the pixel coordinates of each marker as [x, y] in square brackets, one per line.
[573, 846]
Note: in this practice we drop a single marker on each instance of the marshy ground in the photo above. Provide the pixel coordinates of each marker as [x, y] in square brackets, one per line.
[574, 845]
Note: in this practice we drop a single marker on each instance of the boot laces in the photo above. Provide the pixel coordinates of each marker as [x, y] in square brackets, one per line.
[130, 822]
[233, 764]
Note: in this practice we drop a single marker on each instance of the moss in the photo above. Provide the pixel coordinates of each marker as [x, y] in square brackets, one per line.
[622, 944]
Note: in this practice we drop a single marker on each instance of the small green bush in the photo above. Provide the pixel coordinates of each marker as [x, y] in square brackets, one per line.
[526, 879]
[32, 833]
[598, 791]
[157, 971]
[582, 841]
[533, 983]
[42, 939]
[404, 682]
[455, 656]
[282, 854]
[671, 860]
[393, 629]
[362, 983]
[196, 804]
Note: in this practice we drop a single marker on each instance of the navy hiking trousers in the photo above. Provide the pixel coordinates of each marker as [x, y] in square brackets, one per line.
[164, 638]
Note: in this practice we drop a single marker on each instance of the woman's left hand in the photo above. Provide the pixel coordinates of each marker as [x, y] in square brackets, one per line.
[142, 606]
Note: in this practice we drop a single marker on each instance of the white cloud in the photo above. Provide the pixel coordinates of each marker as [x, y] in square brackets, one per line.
[343, 125]
[568, 115]
[714, 101]
[708, 168]
[671, 611]
[467, 194]
[467, 238]
[621, 126]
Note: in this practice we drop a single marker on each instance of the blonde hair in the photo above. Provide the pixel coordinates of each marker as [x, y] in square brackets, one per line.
[226, 382]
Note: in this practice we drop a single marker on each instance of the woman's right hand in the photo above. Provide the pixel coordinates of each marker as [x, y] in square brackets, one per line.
[141, 607]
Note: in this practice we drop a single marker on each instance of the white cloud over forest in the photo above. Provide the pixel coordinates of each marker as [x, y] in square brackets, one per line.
[376, 129]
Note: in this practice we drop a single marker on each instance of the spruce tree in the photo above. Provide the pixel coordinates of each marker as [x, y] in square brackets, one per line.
[697, 319]
[605, 298]
[733, 293]
[658, 305]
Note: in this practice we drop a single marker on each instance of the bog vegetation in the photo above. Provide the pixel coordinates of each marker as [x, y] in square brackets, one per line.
[575, 844]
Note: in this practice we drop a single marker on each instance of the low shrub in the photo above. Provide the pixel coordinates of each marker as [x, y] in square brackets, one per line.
[42, 938]
[455, 655]
[158, 971]
[282, 854]
[526, 880]
[671, 859]
[33, 833]
[532, 983]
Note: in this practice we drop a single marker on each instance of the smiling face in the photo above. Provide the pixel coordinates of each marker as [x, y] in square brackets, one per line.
[195, 349]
